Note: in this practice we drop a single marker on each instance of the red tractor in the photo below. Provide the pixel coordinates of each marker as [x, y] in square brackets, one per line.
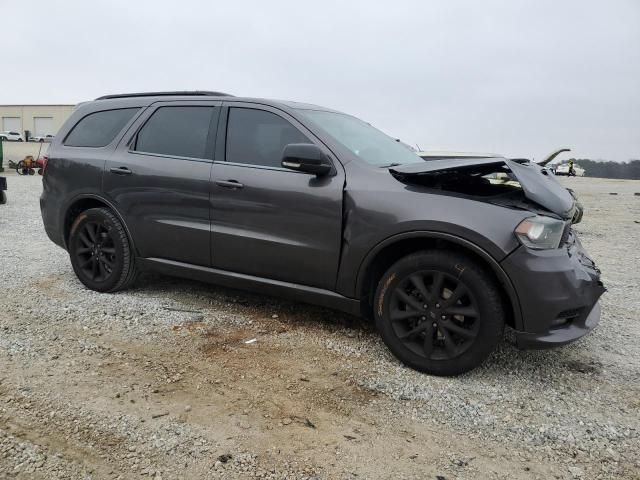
[28, 166]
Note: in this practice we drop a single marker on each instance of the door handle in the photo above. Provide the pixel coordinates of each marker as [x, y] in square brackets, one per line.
[121, 171]
[233, 184]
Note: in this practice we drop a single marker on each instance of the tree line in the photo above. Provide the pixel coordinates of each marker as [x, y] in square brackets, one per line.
[626, 170]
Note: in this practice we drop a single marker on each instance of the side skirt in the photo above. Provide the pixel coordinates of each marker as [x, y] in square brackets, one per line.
[277, 288]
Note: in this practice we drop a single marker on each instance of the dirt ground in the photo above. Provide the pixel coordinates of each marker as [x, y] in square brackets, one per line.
[179, 379]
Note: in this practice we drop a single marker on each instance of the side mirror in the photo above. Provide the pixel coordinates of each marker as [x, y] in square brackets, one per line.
[307, 158]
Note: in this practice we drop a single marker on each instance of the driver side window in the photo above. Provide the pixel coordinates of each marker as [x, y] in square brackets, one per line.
[258, 137]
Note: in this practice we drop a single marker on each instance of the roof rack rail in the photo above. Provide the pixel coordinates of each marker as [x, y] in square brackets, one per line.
[194, 93]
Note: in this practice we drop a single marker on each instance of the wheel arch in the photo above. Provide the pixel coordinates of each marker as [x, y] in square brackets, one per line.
[84, 202]
[387, 252]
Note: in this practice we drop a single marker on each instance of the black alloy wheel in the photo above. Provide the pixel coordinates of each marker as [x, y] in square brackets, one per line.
[439, 312]
[100, 251]
[434, 314]
[96, 251]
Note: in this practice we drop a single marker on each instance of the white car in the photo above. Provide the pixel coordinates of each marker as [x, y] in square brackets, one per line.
[11, 136]
[42, 138]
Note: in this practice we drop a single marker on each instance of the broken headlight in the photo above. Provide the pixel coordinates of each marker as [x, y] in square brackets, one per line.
[540, 233]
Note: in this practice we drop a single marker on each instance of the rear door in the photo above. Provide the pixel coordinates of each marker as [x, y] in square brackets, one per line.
[159, 179]
[266, 220]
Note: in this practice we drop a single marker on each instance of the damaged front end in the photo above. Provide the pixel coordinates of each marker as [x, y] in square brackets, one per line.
[509, 183]
[557, 284]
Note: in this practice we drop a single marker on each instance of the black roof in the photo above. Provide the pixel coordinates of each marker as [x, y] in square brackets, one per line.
[195, 93]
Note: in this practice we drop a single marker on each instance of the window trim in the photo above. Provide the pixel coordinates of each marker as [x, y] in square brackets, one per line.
[212, 134]
[259, 167]
[117, 136]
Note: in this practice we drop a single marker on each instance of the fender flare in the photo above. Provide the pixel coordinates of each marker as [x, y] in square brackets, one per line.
[495, 266]
[93, 196]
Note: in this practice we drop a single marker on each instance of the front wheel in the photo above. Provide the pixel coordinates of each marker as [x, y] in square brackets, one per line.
[100, 252]
[439, 312]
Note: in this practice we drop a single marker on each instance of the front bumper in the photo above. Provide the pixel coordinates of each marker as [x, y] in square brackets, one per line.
[558, 292]
[559, 336]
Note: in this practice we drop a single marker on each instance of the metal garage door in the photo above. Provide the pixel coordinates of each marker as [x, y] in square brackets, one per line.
[43, 126]
[11, 124]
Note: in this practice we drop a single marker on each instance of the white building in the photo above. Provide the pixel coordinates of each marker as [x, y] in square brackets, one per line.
[36, 119]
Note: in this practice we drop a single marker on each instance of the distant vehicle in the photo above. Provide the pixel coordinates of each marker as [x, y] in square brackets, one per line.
[302, 201]
[563, 170]
[42, 138]
[11, 136]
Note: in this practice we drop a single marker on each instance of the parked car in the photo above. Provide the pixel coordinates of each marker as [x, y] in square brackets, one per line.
[11, 136]
[42, 138]
[306, 202]
[564, 169]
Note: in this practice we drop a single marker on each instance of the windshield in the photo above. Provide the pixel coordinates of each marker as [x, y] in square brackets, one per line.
[368, 143]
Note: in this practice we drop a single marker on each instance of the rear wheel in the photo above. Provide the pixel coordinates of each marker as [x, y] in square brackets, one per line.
[439, 312]
[100, 251]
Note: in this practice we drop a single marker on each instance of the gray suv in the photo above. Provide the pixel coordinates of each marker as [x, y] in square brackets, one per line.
[309, 203]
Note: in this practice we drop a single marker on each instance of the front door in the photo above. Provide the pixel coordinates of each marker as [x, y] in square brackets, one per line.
[160, 181]
[268, 221]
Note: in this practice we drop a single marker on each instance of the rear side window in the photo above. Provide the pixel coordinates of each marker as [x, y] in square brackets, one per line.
[176, 131]
[100, 128]
[258, 137]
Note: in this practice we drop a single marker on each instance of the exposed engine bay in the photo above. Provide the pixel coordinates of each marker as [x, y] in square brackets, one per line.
[510, 183]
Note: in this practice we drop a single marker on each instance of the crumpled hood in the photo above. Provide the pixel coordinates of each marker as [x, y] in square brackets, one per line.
[538, 184]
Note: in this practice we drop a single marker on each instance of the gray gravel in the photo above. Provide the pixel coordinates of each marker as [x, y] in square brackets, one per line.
[157, 381]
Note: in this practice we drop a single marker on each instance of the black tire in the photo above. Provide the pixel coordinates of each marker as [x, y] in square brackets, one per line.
[463, 320]
[100, 251]
[3, 197]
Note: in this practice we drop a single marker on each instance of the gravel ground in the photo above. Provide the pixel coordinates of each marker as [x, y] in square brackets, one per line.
[158, 382]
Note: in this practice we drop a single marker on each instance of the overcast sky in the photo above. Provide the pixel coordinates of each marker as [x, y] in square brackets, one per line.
[515, 77]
